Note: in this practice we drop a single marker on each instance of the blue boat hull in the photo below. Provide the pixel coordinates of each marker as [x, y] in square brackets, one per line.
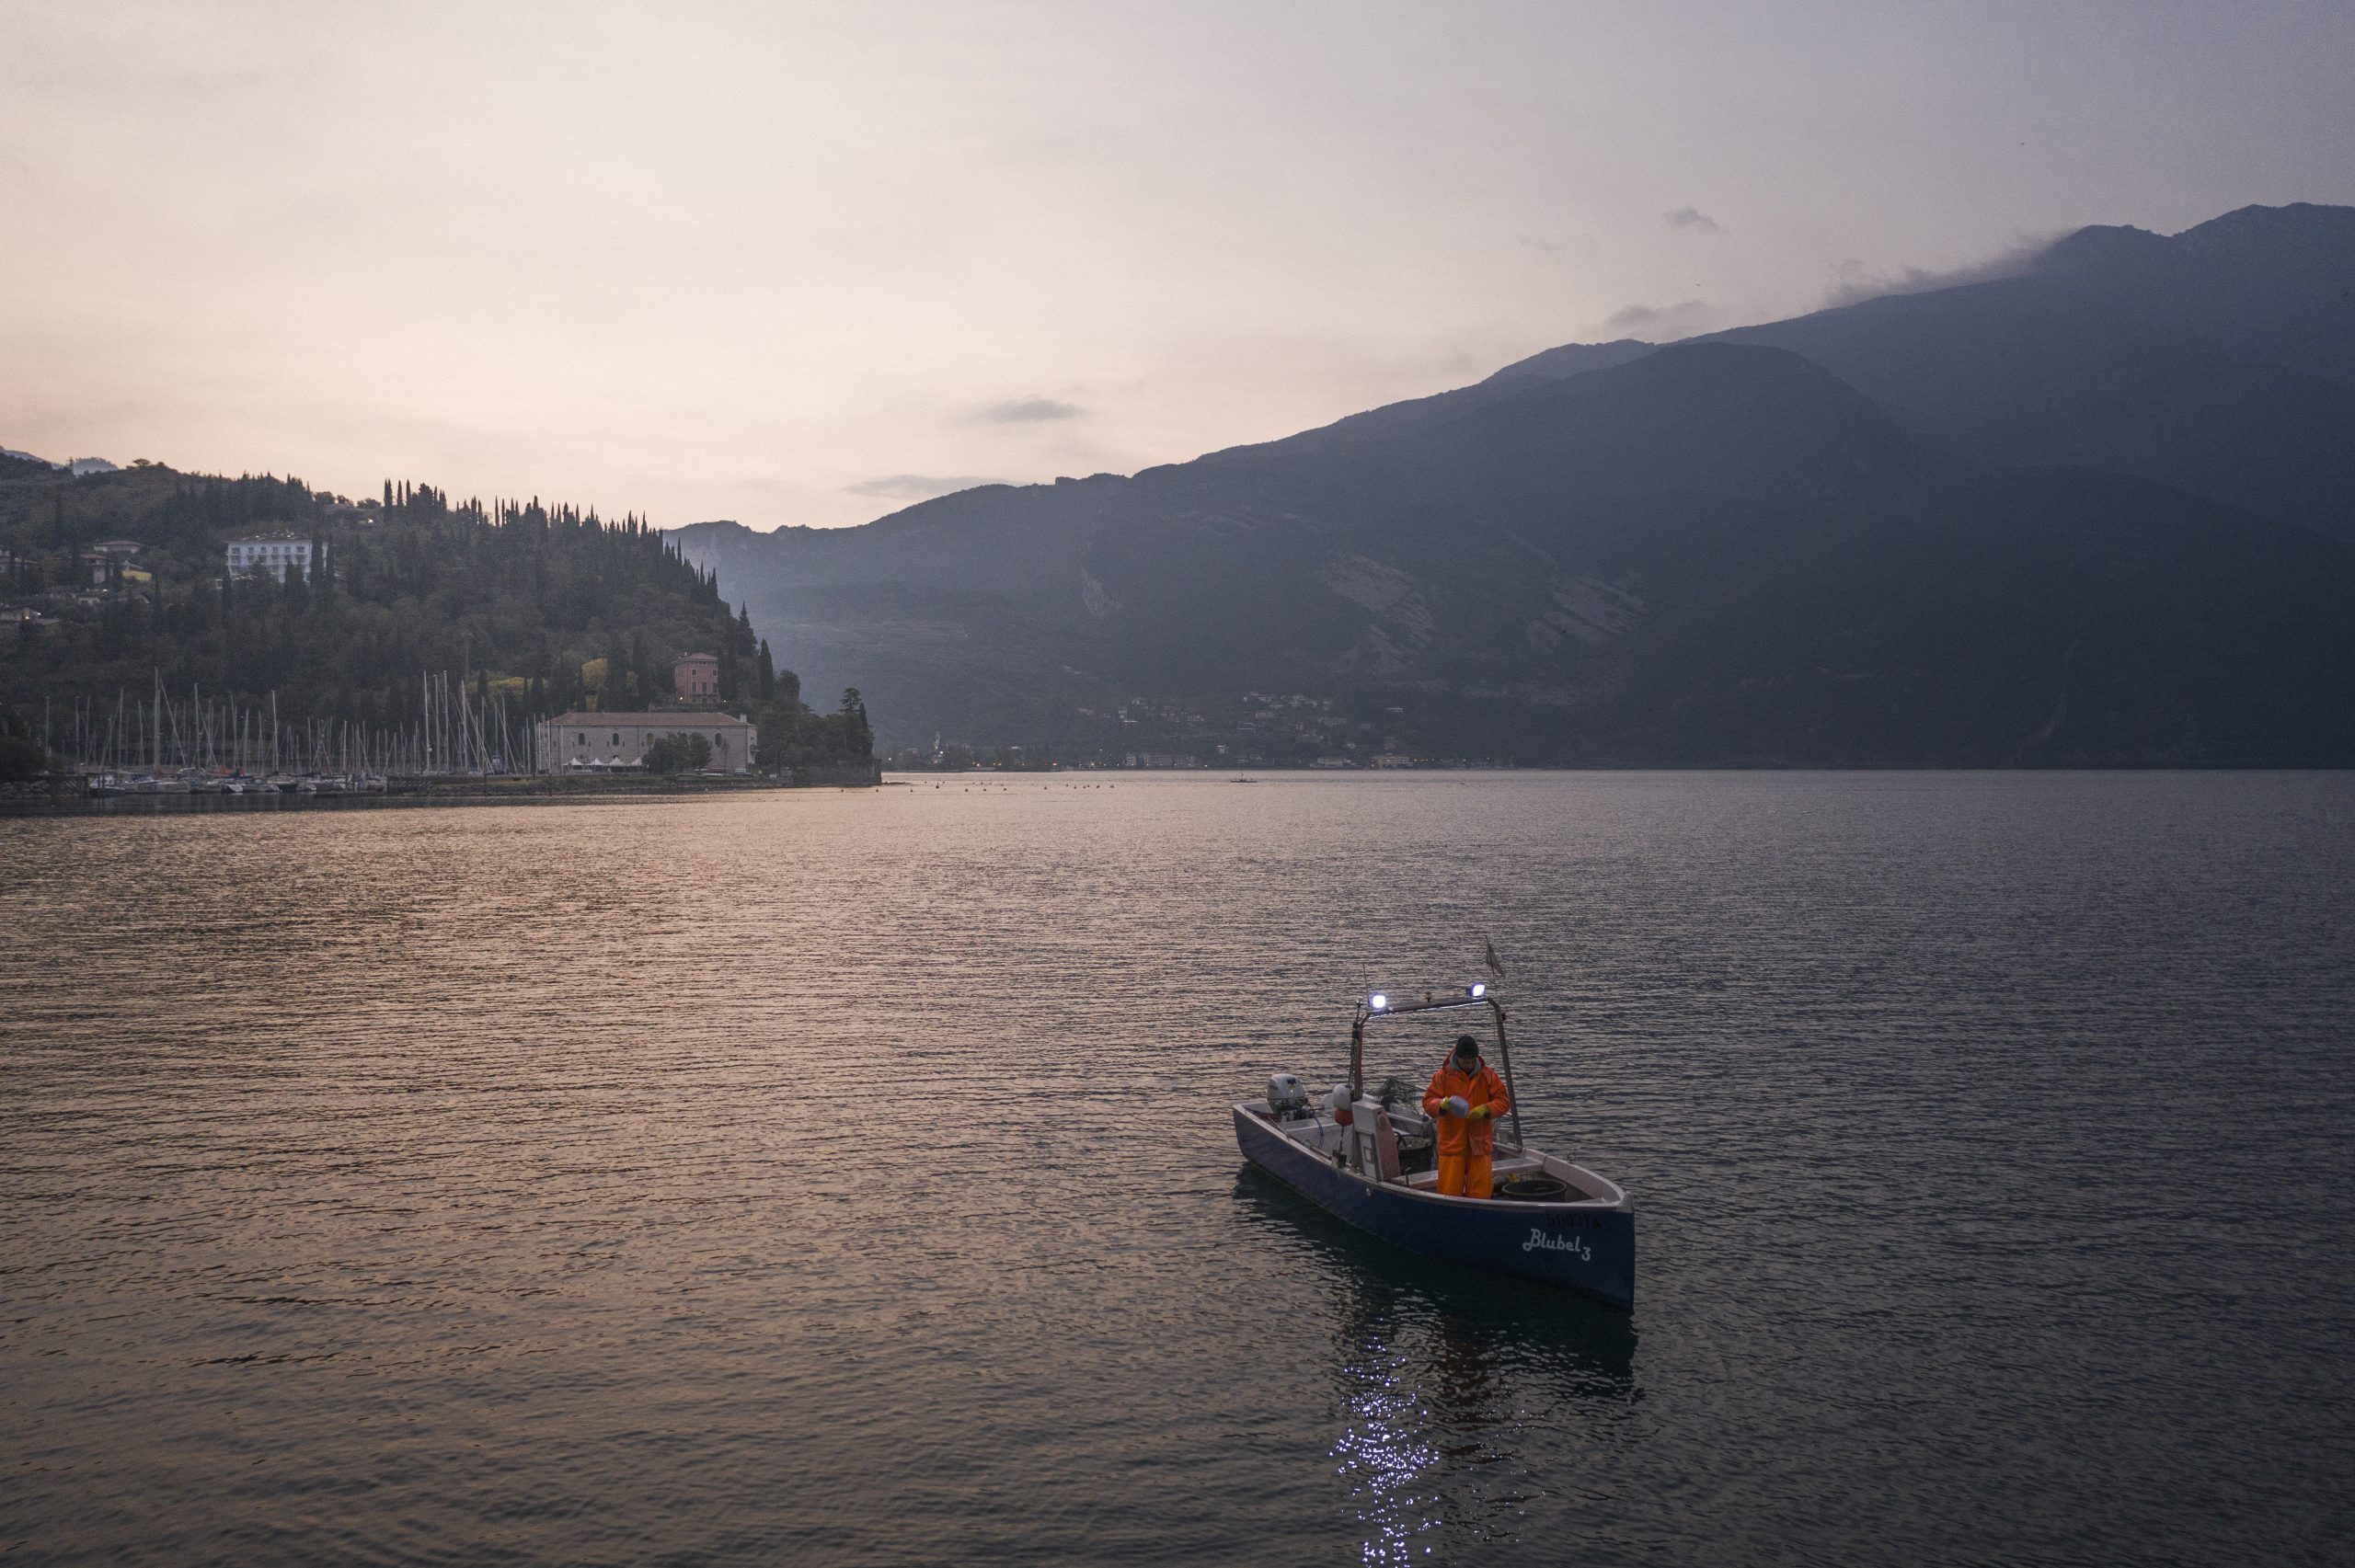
[1590, 1248]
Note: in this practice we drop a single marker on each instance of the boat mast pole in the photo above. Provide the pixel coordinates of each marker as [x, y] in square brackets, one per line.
[1357, 1057]
[1504, 1050]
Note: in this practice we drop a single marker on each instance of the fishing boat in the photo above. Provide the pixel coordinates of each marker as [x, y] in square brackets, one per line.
[1370, 1160]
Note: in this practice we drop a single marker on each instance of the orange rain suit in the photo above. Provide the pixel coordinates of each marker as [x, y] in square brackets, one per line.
[1466, 1143]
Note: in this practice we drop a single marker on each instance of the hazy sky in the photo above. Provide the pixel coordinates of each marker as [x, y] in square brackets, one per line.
[800, 263]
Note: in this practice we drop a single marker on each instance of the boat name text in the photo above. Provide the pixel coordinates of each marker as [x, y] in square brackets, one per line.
[1539, 1241]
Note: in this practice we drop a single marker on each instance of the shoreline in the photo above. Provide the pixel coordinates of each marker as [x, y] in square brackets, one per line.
[46, 800]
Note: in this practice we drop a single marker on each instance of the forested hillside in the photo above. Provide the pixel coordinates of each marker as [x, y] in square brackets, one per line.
[543, 609]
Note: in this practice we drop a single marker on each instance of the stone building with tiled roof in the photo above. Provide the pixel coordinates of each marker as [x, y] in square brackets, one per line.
[595, 742]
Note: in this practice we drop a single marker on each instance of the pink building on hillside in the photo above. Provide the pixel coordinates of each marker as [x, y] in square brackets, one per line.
[697, 677]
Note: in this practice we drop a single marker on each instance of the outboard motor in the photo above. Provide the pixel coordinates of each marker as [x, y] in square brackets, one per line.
[1287, 1096]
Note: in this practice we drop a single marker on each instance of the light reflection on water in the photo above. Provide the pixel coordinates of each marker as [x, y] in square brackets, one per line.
[847, 1177]
[1454, 1391]
[1383, 1457]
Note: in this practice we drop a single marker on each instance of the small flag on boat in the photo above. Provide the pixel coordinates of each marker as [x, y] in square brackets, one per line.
[1488, 956]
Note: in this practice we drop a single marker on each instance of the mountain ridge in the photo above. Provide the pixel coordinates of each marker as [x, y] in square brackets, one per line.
[1683, 553]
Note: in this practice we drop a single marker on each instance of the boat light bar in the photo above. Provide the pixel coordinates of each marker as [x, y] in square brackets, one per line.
[1464, 996]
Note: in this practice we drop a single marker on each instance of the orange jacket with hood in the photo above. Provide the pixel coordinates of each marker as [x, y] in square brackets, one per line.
[1480, 1087]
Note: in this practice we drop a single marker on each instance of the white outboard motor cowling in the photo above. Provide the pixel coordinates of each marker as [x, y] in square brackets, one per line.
[1287, 1096]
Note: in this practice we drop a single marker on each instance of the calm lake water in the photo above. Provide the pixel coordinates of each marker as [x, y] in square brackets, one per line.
[848, 1177]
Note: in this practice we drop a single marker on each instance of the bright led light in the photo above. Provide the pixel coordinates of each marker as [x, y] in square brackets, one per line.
[1377, 1001]
[1479, 991]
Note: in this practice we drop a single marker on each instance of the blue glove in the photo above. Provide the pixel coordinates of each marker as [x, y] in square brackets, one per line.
[1455, 1106]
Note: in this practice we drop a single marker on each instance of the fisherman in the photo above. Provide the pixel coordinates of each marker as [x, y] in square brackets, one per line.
[1463, 1102]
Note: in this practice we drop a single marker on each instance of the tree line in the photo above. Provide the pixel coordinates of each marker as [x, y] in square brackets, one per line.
[547, 606]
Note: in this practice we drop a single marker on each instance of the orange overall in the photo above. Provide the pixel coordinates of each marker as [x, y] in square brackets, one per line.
[1466, 1143]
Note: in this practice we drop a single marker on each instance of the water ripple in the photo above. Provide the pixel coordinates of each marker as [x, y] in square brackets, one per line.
[844, 1177]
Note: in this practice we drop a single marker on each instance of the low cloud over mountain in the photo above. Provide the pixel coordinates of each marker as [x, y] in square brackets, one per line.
[1028, 411]
[1664, 322]
[918, 486]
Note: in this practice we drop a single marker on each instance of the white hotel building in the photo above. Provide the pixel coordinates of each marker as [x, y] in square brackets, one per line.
[273, 552]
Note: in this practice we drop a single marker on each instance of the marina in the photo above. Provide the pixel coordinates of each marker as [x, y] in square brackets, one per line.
[160, 752]
[159, 744]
